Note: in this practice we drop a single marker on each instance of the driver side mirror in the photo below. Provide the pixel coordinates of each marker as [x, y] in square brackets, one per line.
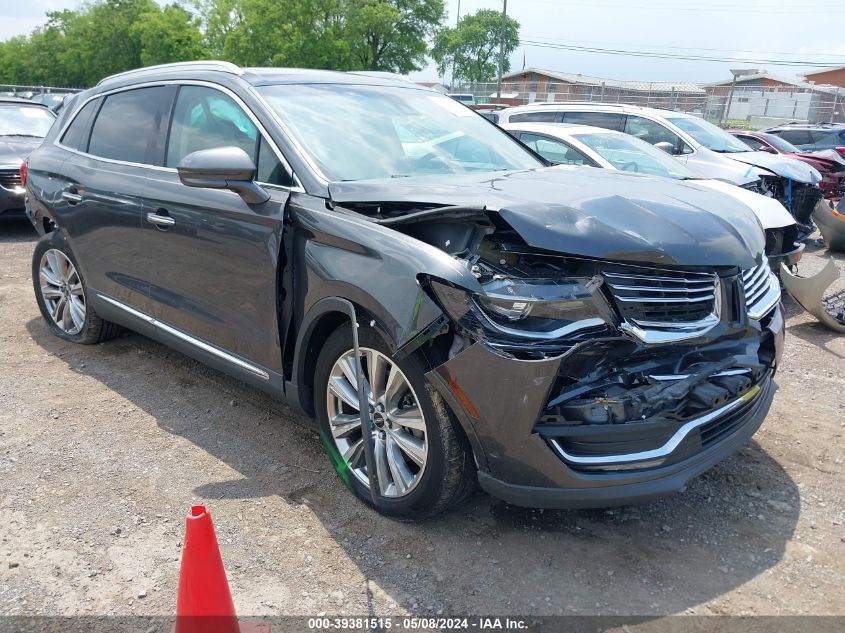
[666, 147]
[222, 168]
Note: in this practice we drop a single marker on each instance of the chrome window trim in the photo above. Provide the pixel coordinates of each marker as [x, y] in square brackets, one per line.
[663, 451]
[297, 186]
[199, 344]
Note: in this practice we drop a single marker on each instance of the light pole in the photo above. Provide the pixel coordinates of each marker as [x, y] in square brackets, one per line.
[501, 50]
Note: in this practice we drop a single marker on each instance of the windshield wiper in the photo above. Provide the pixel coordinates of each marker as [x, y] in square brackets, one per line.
[23, 135]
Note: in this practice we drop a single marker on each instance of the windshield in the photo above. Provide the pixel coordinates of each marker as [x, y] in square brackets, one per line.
[20, 119]
[709, 135]
[362, 132]
[778, 142]
[628, 153]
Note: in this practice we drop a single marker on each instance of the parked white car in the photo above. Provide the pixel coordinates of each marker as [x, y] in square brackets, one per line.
[702, 146]
[564, 144]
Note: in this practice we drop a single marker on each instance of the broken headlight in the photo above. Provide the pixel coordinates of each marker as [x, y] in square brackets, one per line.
[527, 308]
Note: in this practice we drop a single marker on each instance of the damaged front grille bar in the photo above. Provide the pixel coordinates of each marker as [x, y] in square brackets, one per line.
[657, 454]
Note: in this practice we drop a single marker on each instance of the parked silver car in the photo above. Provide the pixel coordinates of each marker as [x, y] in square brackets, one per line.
[702, 146]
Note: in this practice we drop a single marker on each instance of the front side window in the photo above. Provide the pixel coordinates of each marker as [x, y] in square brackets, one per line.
[627, 153]
[651, 132]
[360, 132]
[709, 135]
[205, 118]
[127, 125]
[753, 143]
[20, 119]
[607, 120]
[555, 151]
[778, 142]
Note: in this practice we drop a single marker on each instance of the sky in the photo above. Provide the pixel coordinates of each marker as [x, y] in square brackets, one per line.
[734, 29]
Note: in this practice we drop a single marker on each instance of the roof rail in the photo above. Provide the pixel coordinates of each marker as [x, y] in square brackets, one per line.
[226, 67]
[568, 102]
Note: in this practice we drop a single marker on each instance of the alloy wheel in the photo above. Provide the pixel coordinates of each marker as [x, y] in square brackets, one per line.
[399, 431]
[61, 290]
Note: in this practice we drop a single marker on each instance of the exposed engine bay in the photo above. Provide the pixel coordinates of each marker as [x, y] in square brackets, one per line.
[605, 378]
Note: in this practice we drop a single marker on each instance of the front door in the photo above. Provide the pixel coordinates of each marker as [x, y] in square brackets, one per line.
[211, 260]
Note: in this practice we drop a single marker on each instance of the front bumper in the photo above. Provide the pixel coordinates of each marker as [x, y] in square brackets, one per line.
[11, 202]
[501, 401]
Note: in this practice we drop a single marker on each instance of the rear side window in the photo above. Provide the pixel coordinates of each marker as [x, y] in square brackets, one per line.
[607, 120]
[76, 134]
[796, 137]
[127, 126]
[535, 117]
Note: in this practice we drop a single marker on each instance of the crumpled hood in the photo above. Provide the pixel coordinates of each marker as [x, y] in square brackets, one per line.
[14, 149]
[828, 158]
[780, 165]
[591, 212]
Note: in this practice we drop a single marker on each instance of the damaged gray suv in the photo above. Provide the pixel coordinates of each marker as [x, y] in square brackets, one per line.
[567, 338]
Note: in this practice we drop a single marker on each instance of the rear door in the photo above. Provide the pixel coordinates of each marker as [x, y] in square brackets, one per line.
[105, 183]
[209, 258]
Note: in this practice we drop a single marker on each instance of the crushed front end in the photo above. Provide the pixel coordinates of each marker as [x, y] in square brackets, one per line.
[588, 383]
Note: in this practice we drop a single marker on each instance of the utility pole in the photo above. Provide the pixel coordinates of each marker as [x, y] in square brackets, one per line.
[727, 111]
[452, 85]
[501, 50]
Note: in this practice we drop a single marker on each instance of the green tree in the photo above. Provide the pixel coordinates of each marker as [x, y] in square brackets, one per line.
[386, 35]
[218, 18]
[472, 47]
[392, 35]
[168, 35]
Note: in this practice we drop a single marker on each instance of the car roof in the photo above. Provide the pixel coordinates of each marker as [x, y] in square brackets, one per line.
[256, 76]
[21, 100]
[806, 126]
[587, 106]
[560, 130]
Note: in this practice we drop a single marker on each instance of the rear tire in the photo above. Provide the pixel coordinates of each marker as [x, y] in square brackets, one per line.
[447, 474]
[63, 297]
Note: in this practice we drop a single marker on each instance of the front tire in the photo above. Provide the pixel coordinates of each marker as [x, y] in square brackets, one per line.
[62, 295]
[423, 461]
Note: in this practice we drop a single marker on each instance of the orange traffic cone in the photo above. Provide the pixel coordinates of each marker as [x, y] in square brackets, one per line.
[204, 603]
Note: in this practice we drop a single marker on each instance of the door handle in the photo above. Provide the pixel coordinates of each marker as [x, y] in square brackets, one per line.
[159, 219]
[71, 197]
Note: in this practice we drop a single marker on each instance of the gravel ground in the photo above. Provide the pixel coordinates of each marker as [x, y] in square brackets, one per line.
[103, 450]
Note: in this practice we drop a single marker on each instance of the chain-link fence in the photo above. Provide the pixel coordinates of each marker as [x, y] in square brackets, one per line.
[741, 106]
[33, 92]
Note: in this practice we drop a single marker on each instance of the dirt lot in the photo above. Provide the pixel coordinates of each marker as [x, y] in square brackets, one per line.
[103, 450]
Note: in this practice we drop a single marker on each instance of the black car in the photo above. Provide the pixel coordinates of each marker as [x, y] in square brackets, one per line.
[23, 125]
[567, 338]
[812, 137]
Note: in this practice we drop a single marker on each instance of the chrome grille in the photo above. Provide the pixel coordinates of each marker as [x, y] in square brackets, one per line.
[762, 290]
[658, 305]
[10, 178]
[664, 296]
